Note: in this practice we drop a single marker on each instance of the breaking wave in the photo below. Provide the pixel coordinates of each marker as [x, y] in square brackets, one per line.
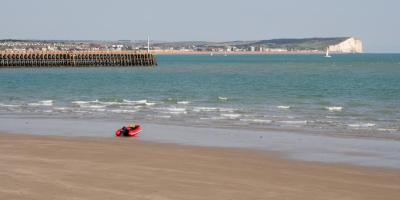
[334, 108]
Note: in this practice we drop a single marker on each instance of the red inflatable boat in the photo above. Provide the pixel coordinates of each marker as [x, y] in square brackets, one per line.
[129, 131]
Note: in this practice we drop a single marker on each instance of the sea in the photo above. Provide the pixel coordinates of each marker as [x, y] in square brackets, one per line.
[351, 95]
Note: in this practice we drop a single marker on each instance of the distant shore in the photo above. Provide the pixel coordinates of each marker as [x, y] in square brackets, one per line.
[54, 167]
[212, 53]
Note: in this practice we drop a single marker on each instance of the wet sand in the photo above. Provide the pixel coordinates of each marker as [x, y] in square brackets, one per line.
[55, 167]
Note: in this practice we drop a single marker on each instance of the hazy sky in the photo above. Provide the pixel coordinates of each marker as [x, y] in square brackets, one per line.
[376, 22]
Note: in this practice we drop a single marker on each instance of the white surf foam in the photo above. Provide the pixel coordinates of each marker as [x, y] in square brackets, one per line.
[109, 103]
[332, 117]
[223, 98]
[362, 125]
[258, 121]
[144, 101]
[42, 103]
[294, 122]
[334, 108]
[183, 102]
[212, 118]
[230, 110]
[8, 105]
[205, 109]
[93, 106]
[163, 116]
[231, 116]
[283, 107]
[60, 108]
[80, 111]
[387, 129]
[34, 104]
[175, 110]
[99, 109]
[122, 111]
[150, 104]
[80, 102]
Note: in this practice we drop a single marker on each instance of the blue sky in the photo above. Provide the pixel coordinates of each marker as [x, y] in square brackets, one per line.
[375, 22]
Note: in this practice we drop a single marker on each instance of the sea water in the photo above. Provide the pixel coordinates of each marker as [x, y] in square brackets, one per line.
[354, 95]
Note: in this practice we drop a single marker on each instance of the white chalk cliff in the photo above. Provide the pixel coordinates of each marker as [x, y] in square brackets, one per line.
[351, 45]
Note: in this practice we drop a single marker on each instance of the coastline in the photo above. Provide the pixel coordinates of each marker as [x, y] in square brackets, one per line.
[294, 145]
[180, 52]
[56, 167]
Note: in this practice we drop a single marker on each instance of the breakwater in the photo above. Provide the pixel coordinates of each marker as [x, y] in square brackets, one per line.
[76, 59]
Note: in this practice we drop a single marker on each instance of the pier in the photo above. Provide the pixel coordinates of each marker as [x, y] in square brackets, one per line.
[76, 59]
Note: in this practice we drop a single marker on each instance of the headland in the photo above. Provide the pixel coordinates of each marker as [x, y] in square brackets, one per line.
[273, 46]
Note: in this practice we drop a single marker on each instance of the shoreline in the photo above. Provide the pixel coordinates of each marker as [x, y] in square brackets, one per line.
[290, 145]
[178, 52]
[49, 167]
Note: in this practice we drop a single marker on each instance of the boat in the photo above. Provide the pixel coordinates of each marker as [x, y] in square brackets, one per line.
[327, 53]
[129, 131]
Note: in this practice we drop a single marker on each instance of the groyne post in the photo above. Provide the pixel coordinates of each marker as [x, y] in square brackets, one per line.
[76, 59]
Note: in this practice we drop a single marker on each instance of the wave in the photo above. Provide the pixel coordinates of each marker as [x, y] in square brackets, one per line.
[223, 98]
[109, 103]
[135, 102]
[361, 125]
[124, 102]
[139, 102]
[387, 129]
[163, 116]
[332, 117]
[294, 122]
[230, 110]
[81, 111]
[183, 102]
[258, 121]
[283, 107]
[214, 109]
[205, 109]
[231, 116]
[80, 102]
[334, 108]
[175, 110]
[42, 103]
[212, 118]
[93, 106]
[150, 104]
[122, 111]
[99, 110]
[8, 105]
[60, 108]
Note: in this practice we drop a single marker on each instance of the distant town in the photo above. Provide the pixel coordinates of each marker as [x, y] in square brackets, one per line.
[307, 45]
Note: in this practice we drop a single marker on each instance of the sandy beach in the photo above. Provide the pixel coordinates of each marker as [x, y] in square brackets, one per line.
[55, 167]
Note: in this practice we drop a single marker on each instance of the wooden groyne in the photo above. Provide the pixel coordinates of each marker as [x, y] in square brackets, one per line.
[76, 59]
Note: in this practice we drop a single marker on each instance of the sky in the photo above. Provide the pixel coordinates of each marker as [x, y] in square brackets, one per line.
[376, 22]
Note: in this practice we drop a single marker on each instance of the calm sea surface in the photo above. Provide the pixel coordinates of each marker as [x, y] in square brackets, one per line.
[356, 95]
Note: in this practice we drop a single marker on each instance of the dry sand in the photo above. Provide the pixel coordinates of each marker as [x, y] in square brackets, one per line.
[48, 167]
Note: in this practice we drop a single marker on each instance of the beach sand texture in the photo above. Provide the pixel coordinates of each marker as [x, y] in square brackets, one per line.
[50, 167]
